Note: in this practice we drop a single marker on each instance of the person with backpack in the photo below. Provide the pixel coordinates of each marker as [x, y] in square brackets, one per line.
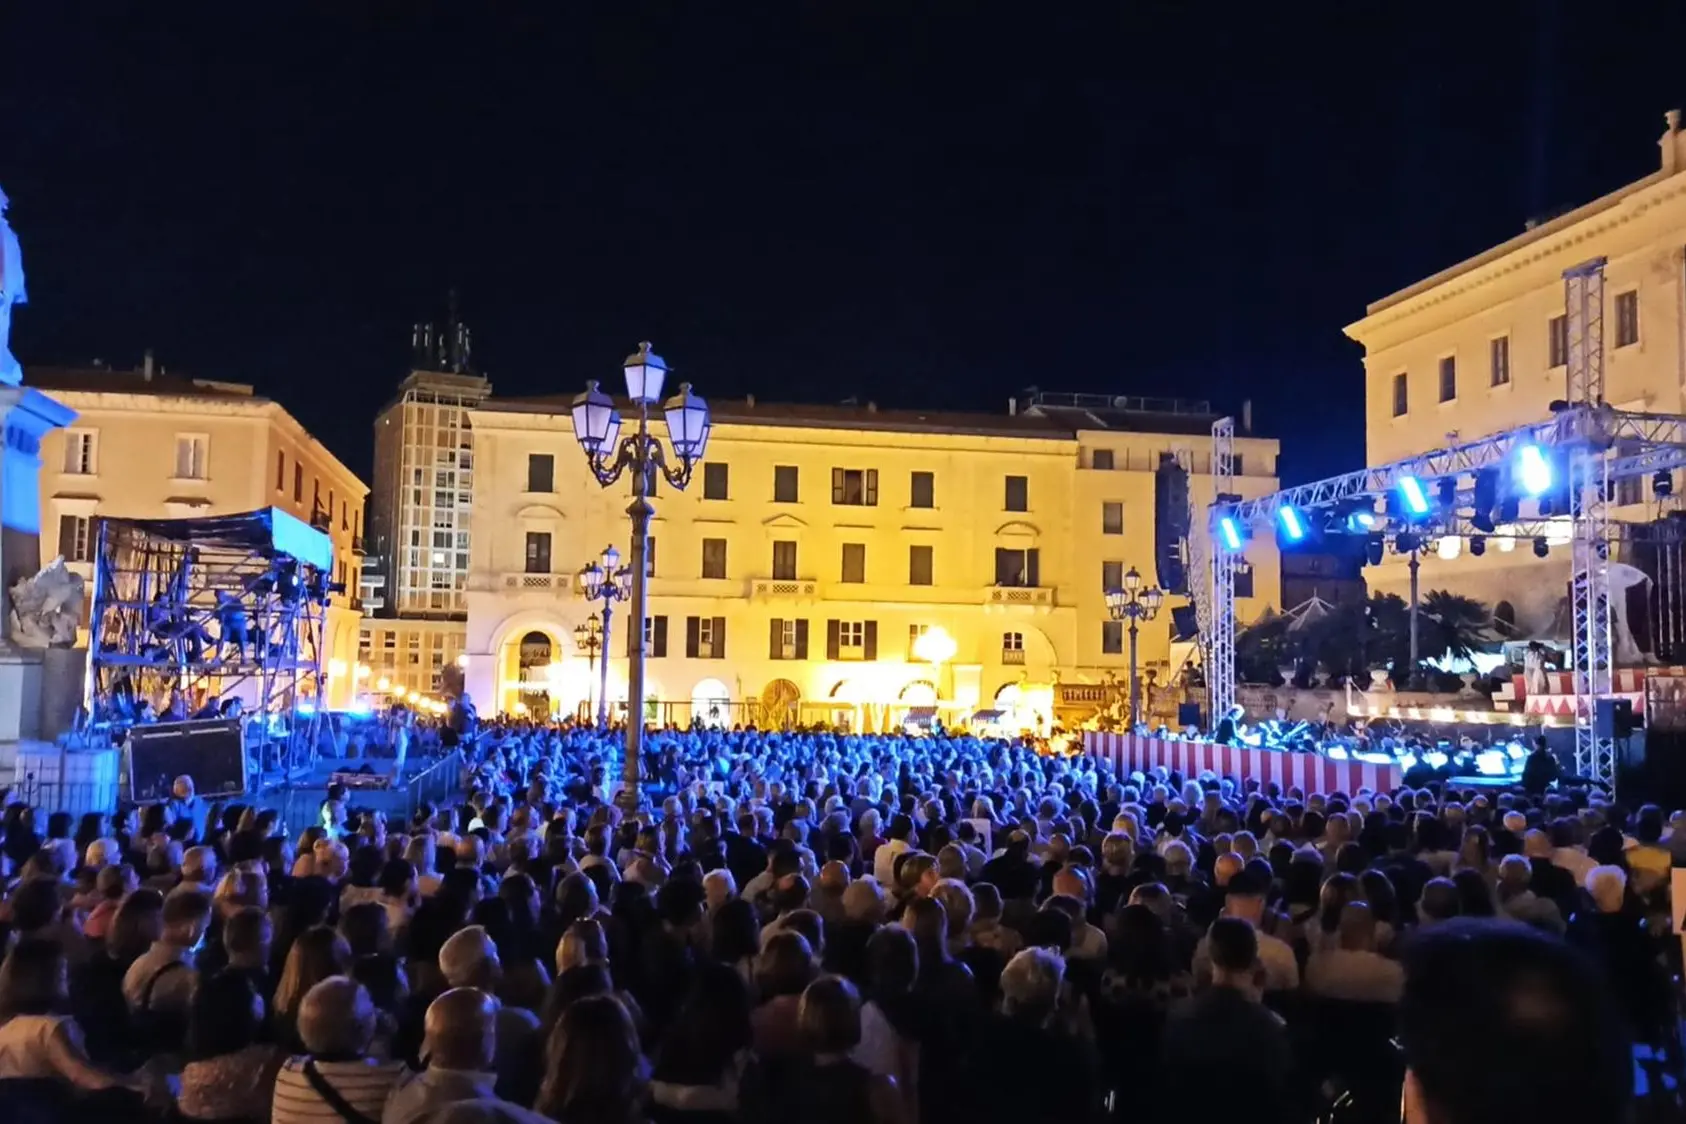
[158, 987]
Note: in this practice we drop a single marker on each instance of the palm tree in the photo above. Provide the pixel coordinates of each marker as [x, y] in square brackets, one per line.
[1451, 625]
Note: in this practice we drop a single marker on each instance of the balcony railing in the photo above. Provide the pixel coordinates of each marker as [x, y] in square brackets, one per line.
[1025, 596]
[1013, 657]
[538, 583]
[357, 546]
[768, 589]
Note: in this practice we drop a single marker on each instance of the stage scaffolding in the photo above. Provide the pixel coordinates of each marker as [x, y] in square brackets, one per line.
[213, 608]
[1600, 446]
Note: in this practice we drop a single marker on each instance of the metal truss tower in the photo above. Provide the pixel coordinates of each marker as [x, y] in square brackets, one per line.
[1589, 490]
[1218, 627]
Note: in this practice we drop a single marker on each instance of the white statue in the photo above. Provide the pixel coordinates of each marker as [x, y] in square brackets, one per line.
[47, 608]
[12, 291]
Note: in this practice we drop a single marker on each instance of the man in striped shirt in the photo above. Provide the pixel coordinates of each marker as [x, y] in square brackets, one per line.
[336, 1082]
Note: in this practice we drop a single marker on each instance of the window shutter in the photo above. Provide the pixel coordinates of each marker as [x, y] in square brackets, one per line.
[801, 639]
[837, 485]
[871, 644]
[631, 637]
[67, 537]
[833, 642]
[692, 629]
[775, 640]
[659, 638]
[871, 476]
[1033, 575]
[719, 638]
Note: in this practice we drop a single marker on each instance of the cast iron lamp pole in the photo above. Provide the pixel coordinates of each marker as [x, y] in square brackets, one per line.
[1133, 603]
[589, 637]
[597, 427]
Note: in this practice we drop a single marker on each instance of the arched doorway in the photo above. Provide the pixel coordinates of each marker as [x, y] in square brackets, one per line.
[779, 702]
[711, 703]
[921, 692]
[532, 661]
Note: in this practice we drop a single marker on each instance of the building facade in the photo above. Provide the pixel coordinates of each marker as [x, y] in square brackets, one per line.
[148, 445]
[796, 574]
[1482, 347]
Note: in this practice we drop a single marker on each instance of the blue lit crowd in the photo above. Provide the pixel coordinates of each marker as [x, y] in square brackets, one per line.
[821, 926]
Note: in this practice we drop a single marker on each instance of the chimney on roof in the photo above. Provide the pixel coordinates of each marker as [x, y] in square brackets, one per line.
[1246, 415]
[1674, 156]
[1012, 407]
[749, 401]
[872, 407]
[147, 366]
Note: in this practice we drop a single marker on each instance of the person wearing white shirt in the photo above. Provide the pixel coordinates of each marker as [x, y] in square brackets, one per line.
[1353, 970]
[1244, 897]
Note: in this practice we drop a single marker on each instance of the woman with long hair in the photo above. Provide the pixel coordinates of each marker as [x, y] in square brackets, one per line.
[594, 1072]
[318, 954]
[705, 1054]
[824, 1084]
[230, 1074]
[39, 1039]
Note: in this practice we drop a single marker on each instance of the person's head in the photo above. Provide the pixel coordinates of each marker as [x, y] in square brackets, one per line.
[1608, 887]
[139, 922]
[956, 900]
[1234, 950]
[199, 864]
[246, 937]
[461, 1030]
[1499, 1022]
[863, 902]
[926, 919]
[364, 928]
[35, 904]
[398, 879]
[317, 954]
[1357, 931]
[187, 914]
[829, 1017]
[785, 965]
[719, 887]
[225, 1016]
[470, 959]
[1440, 901]
[34, 979]
[734, 932]
[709, 1030]
[1244, 896]
[336, 1019]
[593, 1067]
[1030, 985]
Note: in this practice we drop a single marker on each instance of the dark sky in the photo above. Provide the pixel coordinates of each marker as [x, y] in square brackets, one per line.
[918, 203]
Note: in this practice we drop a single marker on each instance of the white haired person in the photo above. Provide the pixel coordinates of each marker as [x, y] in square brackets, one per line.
[470, 959]
[1613, 934]
[335, 1078]
[1025, 1037]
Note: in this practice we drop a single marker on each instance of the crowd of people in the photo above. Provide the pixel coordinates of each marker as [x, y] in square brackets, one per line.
[820, 926]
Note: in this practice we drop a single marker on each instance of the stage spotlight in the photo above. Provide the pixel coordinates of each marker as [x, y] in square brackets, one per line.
[1293, 527]
[1359, 521]
[1533, 470]
[1448, 492]
[1485, 499]
[1662, 484]
[1230, 533]
[1509, 510]
[1416, 499]
[1448, 548]
[1477, 545]
[1405, 542]
[1541, 547]
[1374, 549]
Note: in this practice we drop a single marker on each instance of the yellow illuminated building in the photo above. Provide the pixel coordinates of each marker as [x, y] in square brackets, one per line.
[839, 563]
[1482, 347]
[148, 445]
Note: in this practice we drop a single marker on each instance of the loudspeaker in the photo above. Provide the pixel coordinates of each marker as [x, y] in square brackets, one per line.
[1188, 714]
[1170, 523]
[1613, 718]
[1185, 623]
[210, 752]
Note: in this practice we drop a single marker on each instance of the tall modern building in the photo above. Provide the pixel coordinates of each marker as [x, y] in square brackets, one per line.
[1483, 347]
[416, 575]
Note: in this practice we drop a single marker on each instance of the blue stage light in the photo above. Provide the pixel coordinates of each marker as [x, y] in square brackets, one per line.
[1360, 521]
[1230, 532]
[1416, 499]
[1293, 528]
[1533, 470]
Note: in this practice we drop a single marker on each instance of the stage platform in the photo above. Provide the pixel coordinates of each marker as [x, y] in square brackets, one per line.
[436, 780]
[1310, 772]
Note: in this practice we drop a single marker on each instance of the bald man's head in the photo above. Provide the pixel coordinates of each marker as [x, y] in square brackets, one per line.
[462, 1030]
[834, 877]
[1227, 867]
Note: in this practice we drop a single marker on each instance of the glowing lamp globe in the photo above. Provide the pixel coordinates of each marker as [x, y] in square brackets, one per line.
[596, 424]
[1132, 579]
[591, 579]
[1116, 599]
[645, 372]
[687, 423]
[935, 645]
[1152, 599]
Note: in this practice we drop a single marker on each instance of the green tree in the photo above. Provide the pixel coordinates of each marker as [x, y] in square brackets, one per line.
[1450, 624]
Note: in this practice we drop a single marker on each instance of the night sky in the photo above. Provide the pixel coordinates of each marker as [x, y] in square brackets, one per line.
[918, 203]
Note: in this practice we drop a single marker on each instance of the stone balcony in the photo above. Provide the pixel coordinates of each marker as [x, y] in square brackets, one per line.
[783, 589]
[559, 585]
[1002, 597]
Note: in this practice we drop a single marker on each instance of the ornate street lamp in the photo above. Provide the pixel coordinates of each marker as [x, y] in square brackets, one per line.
[1133, 603]
[597, 427]
[588, 638]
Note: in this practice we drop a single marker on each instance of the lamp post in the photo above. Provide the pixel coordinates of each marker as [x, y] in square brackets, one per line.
[597, 427]
[588, 638]
[1133, 603]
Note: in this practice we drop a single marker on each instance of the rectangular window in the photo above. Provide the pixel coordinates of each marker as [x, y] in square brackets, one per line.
[1448, 377]
[1627, 318]
[922, 490]
[784, 483]
[854, 563]
[1401, 395]
[538, 552]
[705, 638]
[788, 639]
[1557, 341]
[280, 470]
[1498, 359]
[914, 632]
[298, 484]
[1016, 567]
[851, 640]
[1112, 575]
[1101, 458]
[1112, 519]
[714, 558]
[655, 638]
[541, 472]
[192, 456]
[1012, 648]
[649, 556]
[784, 560]
[1112, 638]
[919, 565]
[76, 538]
[1018, 493]
[854, 487]
[714, 481]
[80, 447]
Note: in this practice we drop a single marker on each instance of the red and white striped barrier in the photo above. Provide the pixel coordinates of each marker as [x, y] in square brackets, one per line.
[1310, 772]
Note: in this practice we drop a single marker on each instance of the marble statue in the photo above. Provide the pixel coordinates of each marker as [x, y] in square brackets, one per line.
[12, 291]
[46, 608]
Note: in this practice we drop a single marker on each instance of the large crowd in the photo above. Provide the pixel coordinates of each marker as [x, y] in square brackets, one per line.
[825, 927]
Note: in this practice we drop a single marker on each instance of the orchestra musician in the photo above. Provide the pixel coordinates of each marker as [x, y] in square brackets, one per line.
[1230, 728]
